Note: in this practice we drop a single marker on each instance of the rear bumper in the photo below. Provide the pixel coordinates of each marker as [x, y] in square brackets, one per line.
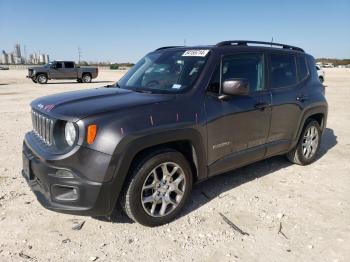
[62, 189]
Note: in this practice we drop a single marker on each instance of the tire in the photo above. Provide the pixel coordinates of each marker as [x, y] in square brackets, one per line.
[321, 79]
[41, 79]
[86, 78]
[308, 145]
[146, 192]
[79, 80]
[34, 80]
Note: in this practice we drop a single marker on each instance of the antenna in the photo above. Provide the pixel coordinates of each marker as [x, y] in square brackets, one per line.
[271, 41]
[184, 41]
[79, 55]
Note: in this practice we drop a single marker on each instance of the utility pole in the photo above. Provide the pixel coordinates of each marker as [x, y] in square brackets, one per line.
[184, 41]
[25, 54]
[79, 55]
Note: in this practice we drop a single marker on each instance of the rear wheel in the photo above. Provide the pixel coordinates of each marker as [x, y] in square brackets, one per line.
[308, 145]
[79, 80]
[86, 78]
[41, 79]
[157, 188]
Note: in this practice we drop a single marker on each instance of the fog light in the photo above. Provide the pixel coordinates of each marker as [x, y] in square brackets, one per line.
[64, 193]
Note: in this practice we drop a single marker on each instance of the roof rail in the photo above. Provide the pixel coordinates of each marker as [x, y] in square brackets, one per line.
[166, 47]
[246, 42]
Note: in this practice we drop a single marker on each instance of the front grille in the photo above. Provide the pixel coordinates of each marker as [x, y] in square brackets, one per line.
[43, 127]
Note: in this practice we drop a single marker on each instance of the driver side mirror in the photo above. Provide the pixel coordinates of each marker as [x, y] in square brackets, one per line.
[234, 87]
[53, 66]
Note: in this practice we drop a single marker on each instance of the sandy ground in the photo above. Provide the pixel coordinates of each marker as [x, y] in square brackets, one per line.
[311, 203]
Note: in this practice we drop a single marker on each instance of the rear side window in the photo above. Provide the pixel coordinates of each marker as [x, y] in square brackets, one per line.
[303, 71]
[68, 64]
[247, 66]
[282, 70]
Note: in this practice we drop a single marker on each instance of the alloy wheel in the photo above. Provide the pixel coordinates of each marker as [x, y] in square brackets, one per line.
[163, 189]
[310, 142]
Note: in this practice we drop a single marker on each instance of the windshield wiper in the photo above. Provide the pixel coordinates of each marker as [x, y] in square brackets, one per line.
[113, 85]
[142, 91]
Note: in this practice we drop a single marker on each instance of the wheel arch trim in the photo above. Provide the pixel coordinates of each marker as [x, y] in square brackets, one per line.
[129, 147]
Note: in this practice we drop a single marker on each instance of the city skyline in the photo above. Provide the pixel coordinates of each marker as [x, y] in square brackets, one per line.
[17, 57]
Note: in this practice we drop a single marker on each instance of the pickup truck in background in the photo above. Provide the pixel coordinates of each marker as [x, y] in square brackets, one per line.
[62, 70]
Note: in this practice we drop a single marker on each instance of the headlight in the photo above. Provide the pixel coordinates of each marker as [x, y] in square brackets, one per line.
[70, 133]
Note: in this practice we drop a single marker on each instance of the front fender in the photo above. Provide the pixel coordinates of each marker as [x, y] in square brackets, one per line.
[129, 146]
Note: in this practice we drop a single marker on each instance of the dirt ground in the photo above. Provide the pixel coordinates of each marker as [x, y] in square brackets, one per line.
[311, 203]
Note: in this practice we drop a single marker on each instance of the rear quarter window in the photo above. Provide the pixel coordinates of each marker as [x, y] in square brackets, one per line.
[303, 70]
[282, 70]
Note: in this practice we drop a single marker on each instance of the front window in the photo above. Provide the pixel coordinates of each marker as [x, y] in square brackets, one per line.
[165, 72]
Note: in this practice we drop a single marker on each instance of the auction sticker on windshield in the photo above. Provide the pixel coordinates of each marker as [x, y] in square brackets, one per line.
[196, 52]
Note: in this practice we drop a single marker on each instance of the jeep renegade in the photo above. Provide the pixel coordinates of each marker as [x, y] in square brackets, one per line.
[179, 116]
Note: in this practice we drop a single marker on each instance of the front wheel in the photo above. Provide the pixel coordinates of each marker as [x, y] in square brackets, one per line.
[34, 80]
[308, 145]
[41, 79]
[157, 188]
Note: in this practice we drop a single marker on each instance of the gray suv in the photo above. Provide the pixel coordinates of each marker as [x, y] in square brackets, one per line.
[179, 116]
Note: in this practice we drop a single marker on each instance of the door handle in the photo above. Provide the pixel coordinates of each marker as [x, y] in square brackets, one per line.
[261, 106]
[302, 98]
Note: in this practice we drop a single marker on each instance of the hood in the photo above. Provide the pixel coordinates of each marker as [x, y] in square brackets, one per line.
[36, 67]
[80, 104]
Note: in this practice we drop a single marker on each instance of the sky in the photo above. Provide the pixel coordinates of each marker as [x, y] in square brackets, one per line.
[124, 31]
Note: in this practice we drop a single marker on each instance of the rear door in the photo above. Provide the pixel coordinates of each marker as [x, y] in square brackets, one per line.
[69, 70]
[238, 127]
[288, 96]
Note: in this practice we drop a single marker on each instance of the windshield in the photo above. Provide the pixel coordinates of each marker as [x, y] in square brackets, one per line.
[48, 64]
[165, 72]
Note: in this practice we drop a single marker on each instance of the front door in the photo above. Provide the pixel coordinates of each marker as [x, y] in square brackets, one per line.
[58, 71]
[238, 127]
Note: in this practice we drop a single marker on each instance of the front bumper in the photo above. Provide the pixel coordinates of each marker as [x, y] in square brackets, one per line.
[63, 189]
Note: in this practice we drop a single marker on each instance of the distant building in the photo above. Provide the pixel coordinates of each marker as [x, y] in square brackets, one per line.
[30, 59]
[11, 59]
[17, 51]
[4, 57]
[47, 59]
[42, 59]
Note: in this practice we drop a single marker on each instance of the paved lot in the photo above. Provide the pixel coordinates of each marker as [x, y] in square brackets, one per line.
[311, 203]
